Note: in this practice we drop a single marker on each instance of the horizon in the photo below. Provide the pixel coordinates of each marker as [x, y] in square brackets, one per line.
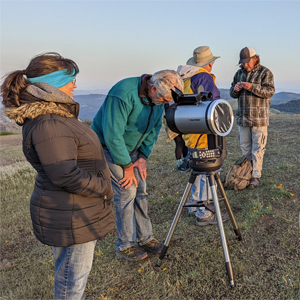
[112, 40]
[82, 92]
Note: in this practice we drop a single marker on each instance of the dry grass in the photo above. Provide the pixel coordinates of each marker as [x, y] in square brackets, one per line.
[266, 263]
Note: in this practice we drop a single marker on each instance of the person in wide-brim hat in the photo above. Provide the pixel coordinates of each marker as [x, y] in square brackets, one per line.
[198, 78]
[202, 56]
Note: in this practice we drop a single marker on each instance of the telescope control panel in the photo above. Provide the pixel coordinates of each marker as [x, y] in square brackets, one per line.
[204, 154]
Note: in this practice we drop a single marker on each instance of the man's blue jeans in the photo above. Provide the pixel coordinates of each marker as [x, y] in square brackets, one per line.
[131, 207]
[72, 268]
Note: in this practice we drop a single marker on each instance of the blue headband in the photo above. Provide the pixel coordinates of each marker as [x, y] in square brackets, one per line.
[57, 79]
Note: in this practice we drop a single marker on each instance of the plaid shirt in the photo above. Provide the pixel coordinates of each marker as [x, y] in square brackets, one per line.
[254, 104]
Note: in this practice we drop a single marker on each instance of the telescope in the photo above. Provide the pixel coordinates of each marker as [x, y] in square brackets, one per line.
[194, 113]
[198, 114]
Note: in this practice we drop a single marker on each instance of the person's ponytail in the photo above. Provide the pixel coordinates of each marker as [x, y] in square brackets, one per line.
[42, 64]
[12, 87]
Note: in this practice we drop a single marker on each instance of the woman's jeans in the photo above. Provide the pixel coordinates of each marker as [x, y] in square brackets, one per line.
[72, 268]
[131, 207]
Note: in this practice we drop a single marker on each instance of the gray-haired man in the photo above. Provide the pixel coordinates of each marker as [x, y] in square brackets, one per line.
[128, 124]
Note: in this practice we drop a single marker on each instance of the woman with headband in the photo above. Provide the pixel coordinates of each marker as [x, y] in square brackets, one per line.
[70, 205]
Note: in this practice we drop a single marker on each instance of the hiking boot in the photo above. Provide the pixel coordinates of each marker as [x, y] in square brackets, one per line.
[183, 168]
[191, 213]
[153, 246]
[210, 220]
[191, 209]
[132, 253]
[254, 182]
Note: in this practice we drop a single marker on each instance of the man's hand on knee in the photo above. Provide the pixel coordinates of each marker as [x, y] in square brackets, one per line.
[128, 179]
[141, 166]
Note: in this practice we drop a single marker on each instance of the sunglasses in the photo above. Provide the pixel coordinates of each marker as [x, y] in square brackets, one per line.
[74, 81]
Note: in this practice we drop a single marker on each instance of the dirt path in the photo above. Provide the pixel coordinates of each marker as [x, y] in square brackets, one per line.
[10, 140]
[11, 149]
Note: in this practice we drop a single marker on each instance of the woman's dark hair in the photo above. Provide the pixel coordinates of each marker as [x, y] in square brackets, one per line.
[14, 83]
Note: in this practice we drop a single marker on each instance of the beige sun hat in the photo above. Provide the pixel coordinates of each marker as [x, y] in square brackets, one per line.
[202, 56]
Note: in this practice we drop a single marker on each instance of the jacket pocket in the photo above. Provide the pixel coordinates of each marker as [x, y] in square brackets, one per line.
[108, 195]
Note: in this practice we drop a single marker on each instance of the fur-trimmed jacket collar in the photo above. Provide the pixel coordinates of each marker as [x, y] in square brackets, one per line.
[41, 99]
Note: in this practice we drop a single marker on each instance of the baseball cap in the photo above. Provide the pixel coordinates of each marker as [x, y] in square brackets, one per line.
[246, 54]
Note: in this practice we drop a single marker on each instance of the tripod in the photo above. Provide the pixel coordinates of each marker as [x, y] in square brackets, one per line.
[214, 182]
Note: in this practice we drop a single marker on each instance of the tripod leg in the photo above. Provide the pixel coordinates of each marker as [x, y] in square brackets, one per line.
[176, 218]
[221, 229]
[236, 229]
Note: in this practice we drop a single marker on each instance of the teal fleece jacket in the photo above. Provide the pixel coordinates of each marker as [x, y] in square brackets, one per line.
[125, 122]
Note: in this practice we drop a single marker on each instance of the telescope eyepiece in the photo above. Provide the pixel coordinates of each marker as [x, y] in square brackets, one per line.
[204, 96]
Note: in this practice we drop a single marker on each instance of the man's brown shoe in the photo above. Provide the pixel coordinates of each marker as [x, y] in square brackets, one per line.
[153, 246]
[254, 182]
[132, 253]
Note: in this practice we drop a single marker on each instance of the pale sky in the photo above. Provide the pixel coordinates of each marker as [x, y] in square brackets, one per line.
[112, 40]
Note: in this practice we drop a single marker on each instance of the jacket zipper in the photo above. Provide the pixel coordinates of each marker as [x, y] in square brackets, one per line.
[145, 130]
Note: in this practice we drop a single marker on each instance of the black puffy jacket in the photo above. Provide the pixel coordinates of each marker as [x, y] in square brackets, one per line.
[71, 201]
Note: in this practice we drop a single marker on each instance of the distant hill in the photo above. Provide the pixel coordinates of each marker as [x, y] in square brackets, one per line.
[225, 94]
[233, 103]
[6, 124]
[89, 105]
[292, 106]
[278, 98]
[284, 97]
[284, 102]
[77, 92]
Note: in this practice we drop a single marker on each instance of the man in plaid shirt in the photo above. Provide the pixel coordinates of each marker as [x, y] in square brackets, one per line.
[253, 85]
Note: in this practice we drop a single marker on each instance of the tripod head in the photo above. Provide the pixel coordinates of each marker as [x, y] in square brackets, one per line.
[211, 159]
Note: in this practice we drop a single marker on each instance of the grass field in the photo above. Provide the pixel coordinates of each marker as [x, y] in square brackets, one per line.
[266, 264]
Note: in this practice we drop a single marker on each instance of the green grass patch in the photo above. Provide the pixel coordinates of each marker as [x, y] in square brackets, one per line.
[265, 263]
[5, 133]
